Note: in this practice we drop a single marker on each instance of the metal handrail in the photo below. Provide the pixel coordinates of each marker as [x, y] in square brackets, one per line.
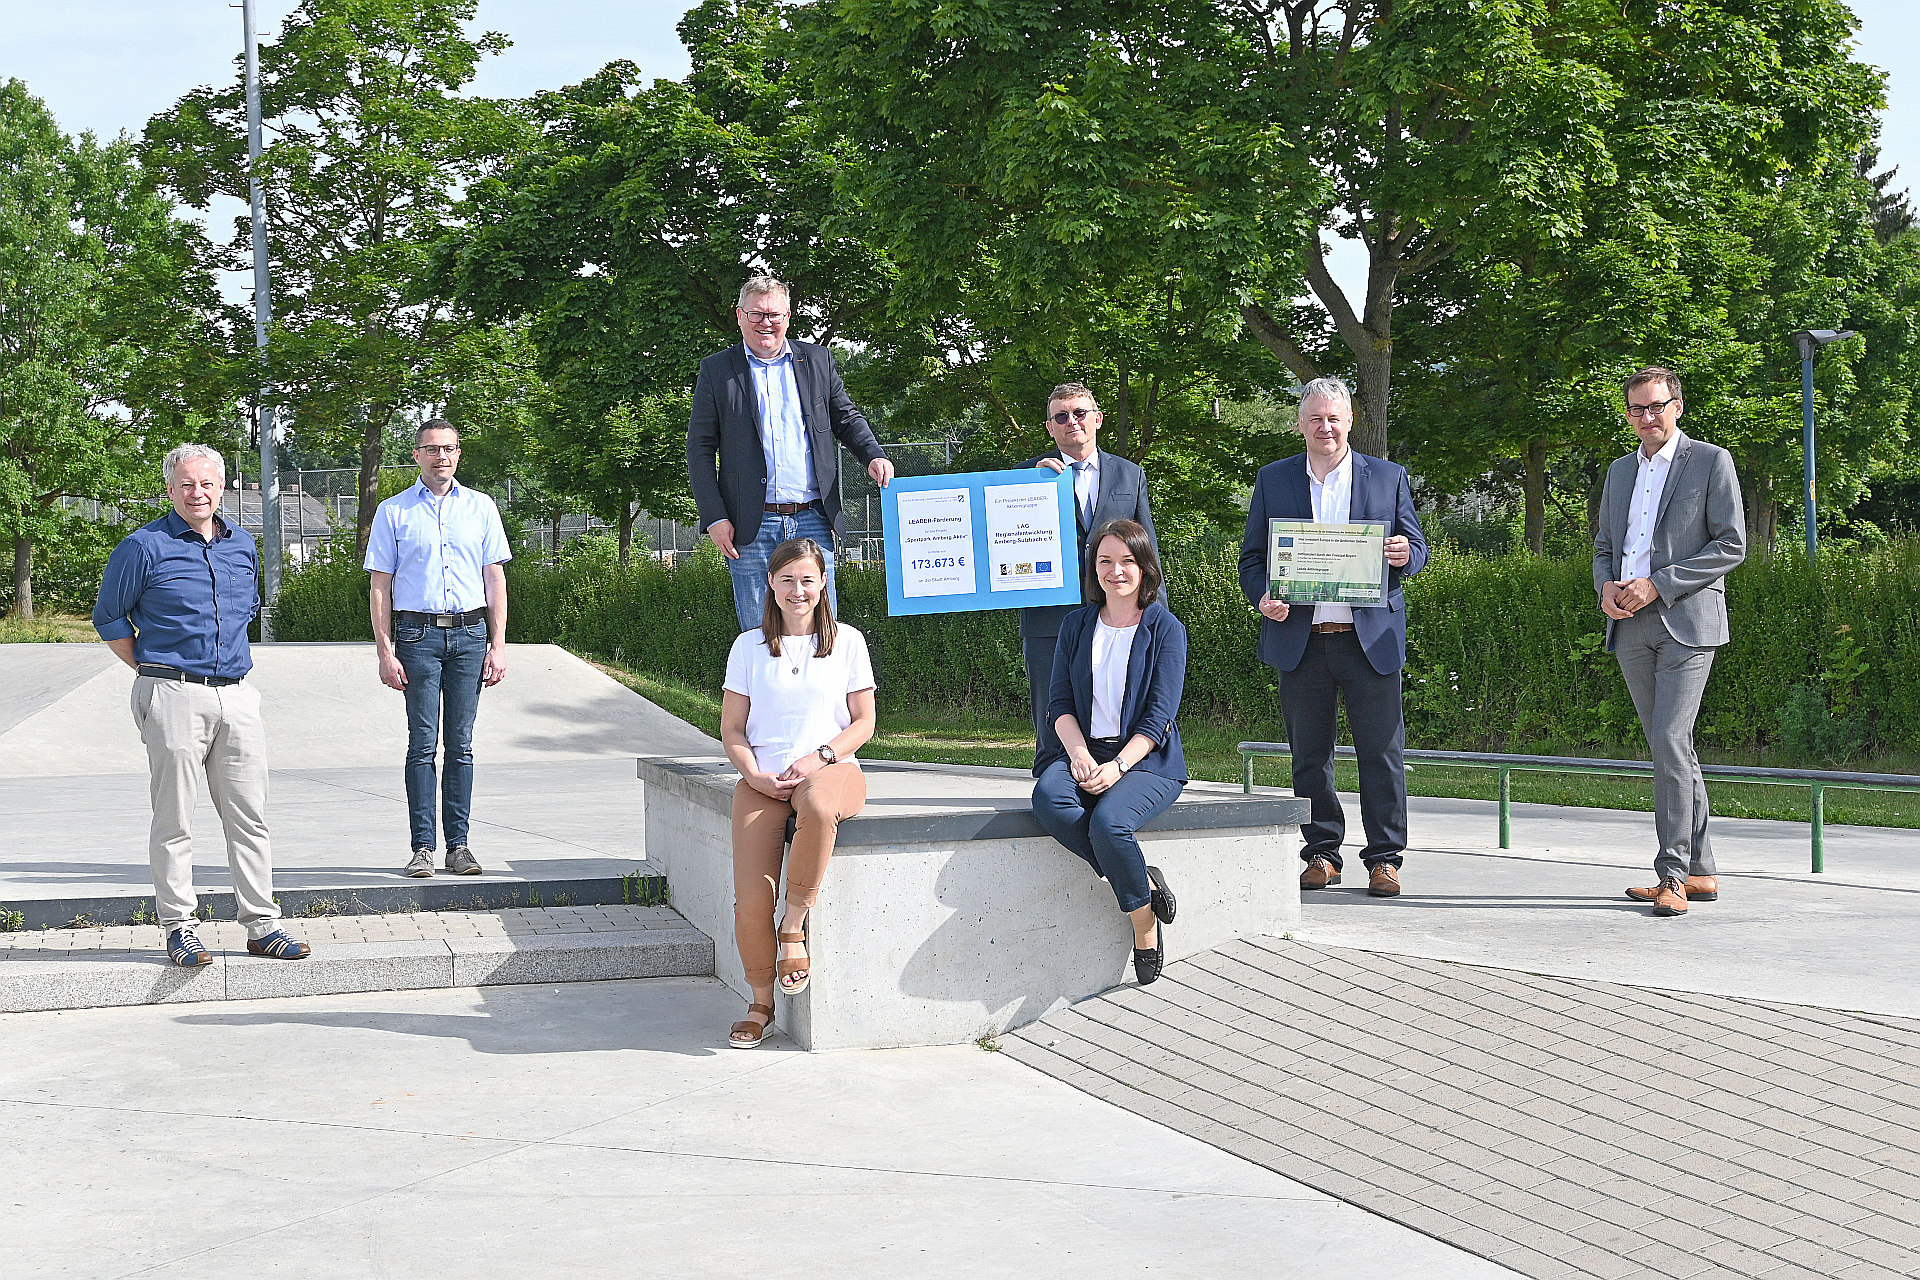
[1818, 780]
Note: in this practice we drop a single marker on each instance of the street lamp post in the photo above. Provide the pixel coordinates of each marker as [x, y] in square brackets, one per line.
[270, 532]
[1810, 341]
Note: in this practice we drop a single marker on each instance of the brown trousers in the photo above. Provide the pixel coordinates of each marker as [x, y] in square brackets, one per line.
[819, 805]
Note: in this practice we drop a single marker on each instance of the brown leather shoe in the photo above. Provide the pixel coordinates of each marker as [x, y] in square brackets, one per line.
[1699, 889]
[1319, 874]
[1384, 883]
[1671, 898]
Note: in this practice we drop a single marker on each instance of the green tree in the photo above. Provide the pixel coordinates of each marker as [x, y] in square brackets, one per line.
[108, 337]
[1228, 140]
[371, 145]
[621, 237]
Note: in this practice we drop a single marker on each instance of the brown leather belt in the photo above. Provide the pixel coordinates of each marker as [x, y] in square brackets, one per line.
[791, 508]
[1328, 628]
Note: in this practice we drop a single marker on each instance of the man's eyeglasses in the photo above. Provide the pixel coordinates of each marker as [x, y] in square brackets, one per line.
[444, 450]
[1649, 410]
[1072, 415]
[765, 317]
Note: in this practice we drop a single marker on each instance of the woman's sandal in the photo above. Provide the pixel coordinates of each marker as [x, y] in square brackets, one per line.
[746, 1027]
[802, 966]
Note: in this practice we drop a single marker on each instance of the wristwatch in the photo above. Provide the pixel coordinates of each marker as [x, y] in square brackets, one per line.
[826, 753]
[1124, 766]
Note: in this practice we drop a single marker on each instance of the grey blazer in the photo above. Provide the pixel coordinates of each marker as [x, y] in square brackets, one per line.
[1699, 536]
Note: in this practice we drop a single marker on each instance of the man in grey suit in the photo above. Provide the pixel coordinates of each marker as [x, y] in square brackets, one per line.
[1671, 529]
[1105, 487]
[760, 445]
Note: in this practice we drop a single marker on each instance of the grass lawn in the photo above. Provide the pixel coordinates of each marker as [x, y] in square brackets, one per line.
[48, 628]
[1212, 754]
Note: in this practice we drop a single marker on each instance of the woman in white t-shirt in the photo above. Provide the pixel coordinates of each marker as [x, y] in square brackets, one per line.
[799, 703]
[1118, 673]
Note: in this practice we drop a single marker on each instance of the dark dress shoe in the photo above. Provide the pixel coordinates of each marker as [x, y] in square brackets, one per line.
[1699, 889]
[1319, 874]
[1147, 964]
[1384, 882]
[1160, 896]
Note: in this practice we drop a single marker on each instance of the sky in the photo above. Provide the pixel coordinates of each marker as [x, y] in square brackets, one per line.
[139, 56]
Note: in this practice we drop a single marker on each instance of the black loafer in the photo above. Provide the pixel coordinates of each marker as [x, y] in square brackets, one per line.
[1147, 964]
[1160, 896]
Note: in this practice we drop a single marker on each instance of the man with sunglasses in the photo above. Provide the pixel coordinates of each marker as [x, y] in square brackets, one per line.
[1105, 487]
[760, 444]
[1671, 528]
[439, 606]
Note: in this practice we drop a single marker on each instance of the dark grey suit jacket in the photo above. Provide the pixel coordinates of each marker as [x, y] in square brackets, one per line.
[726, 461]
[1699, 537]
[1122, 496]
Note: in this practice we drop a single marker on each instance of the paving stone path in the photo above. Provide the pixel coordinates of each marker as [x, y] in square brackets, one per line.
[1558, 1127]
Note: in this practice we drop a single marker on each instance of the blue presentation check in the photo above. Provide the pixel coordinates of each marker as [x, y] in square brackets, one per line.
[1309, 563]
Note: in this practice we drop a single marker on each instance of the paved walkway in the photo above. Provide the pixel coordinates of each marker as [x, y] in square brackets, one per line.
[601, 1130]
[1558, 1127]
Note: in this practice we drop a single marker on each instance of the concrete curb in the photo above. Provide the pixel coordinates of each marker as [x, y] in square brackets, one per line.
[120, 978]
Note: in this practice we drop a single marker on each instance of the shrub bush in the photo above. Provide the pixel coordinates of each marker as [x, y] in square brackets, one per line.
[1503, 653]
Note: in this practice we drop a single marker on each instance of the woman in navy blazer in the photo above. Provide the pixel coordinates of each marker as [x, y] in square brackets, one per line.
[1117, 676]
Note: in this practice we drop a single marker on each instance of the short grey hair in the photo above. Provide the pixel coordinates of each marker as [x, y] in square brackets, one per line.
[186, 452]
[1331, 388]
[761, 284]
[1072, 391]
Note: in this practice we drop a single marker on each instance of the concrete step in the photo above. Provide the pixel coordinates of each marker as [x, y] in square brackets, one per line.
[92, 968]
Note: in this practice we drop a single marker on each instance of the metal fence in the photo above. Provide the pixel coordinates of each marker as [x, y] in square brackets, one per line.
[319, 505]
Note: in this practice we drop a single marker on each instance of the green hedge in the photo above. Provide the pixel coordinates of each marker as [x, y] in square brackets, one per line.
[1504, 652]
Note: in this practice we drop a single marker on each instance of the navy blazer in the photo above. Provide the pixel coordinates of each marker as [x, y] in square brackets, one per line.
[1122, 495]
[726, 460]
[1381, 494]
[1156, 674]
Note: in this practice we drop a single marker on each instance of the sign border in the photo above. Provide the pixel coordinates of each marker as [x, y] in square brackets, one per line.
[976, 484]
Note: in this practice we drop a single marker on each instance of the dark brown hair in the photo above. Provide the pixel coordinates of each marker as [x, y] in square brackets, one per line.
[1135, 536]
[1654, 373]
[773, 622]
[435, 424]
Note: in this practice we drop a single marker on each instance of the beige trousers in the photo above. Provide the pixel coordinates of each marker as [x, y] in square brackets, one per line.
[191, 730]
[820, 803]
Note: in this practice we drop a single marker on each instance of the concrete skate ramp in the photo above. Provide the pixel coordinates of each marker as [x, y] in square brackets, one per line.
[64, 712]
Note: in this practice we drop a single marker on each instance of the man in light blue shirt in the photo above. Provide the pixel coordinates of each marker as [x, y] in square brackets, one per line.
[439, 606]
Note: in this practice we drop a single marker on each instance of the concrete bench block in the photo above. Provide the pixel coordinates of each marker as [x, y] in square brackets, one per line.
[580, 957]
[949, 915]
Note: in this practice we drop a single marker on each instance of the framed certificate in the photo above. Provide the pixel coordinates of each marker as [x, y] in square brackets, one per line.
[1310, 563]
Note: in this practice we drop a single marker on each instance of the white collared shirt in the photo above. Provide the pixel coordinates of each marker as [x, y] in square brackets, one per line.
[1332, 504]
[1650, 481]
[1086, 486]
[783, 428]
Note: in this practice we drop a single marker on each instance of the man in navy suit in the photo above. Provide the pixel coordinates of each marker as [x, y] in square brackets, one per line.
[1105, 487]
[760, 451]
[1328, 651]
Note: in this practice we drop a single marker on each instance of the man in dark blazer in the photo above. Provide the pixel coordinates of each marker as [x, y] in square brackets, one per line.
[1324, 652]
[1105, 487]
[760, 445]
[1671, 528]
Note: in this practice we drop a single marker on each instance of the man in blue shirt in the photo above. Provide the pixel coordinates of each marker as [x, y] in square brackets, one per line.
[174, 605]
[439, 605]
[760, 445]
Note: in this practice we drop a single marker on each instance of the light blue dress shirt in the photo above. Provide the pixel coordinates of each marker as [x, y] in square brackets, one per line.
[783, 429]
[435, 548]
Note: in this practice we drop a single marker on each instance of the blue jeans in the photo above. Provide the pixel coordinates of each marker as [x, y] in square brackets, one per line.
[1101, 828]
[443, 666]
[750, 570]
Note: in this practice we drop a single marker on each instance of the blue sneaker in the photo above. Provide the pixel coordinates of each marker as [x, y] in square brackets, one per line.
[185, 950]
[279, 945]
